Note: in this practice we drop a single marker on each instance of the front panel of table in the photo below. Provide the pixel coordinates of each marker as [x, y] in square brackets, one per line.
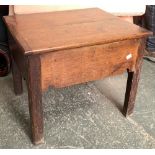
[79, 65]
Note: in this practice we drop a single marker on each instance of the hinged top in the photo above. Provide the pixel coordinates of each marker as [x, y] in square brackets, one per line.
[42, 32]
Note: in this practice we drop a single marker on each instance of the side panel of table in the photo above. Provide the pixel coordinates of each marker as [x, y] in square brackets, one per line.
[73, 66]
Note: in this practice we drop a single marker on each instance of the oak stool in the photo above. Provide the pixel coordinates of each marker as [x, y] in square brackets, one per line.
[64, 48]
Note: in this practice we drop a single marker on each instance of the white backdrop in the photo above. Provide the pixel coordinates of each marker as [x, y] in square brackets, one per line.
[117, 7]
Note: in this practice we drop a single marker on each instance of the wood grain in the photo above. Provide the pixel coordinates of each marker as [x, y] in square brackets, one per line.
[69, 47]
[17, 55]
[133, 80]
[47, 32]
[68, 67]
[17, 79]
[35, 99]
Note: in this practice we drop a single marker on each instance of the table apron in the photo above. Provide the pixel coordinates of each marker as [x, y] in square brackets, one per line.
[79, 65]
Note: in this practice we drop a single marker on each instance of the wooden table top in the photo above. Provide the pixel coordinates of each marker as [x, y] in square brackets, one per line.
[43, 32]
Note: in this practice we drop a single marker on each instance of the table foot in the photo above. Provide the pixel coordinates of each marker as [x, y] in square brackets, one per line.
[41, 141]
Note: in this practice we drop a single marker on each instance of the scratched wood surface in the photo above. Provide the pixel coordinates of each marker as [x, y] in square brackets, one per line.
[68, 67]
[70, 47]
[42, 32]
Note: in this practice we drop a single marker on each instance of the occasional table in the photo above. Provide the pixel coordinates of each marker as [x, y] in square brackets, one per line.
[64, 48]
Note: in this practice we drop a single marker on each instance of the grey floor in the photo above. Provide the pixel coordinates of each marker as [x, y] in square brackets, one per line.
[83, 116]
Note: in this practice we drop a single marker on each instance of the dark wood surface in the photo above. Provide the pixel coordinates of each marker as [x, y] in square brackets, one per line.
[17, 54]
[17, 78]
[42, 32]
[132, 81]
[35, 98]
[69, 47]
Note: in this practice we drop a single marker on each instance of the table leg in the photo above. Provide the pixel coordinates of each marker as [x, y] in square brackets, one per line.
[17, 79]
[131, 90]
[35, 99]
[132, 83]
